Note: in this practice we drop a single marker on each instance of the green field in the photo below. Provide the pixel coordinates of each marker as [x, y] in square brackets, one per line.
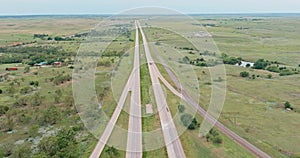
[37, 109]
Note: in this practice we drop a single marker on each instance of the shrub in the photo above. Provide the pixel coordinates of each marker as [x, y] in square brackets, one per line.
[287, 105]
[260, 64]
[3, 110]
[244, 74]
[286, 72]
[269, 76]
[181, 108]
[188, 121]
[273, 69]
[217, 140]
[230, 60]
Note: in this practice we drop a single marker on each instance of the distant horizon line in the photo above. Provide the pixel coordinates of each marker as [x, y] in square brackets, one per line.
[110, 14]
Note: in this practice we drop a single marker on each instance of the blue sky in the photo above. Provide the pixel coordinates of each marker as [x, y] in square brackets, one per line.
[12, 7]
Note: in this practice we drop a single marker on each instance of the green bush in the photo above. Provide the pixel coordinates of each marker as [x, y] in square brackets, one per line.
[287, 105]
[181, 108]
[273, 69]
[244, 74]
[188, 121]
[286, 72]
[261, 64]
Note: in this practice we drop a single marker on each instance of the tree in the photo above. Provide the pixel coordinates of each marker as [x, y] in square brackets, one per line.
[34, 83]
[207, 137]
[260, 64]
[269, 76]
[188, 121]
[244, 74]
[217, 139]
[112, 152]
[64, 144]
[181, 108]
[186, 59]
[287, 105]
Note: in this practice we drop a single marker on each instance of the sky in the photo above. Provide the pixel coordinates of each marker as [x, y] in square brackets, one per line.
[28, 7]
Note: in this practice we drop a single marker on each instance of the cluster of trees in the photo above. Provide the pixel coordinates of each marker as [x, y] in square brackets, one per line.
[64, 144]
[60, 79]
[214, 136]
[283, 71]
[261, 64]
[33, 54]
[8, 59]
[59, 38]
[41, 36]
[185, 48]
[189, 121]
[230, 60]
[112, 152]
[81, 34]
[199, 62]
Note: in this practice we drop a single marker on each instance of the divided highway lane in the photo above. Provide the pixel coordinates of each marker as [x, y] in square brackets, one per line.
[111, 124]
[171, 138]
[134, 139]
[184, 95]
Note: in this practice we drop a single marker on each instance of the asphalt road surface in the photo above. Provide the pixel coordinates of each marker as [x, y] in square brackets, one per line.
[172, 141]
[109, 127]
[134, 139]
[184, 95]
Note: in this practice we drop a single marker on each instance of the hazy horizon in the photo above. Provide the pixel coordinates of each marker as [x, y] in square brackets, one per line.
[67, 7]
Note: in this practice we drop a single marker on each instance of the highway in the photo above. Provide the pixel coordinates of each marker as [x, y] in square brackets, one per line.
[171, 138]
[112, 122]
[184, 95]
[134, 139]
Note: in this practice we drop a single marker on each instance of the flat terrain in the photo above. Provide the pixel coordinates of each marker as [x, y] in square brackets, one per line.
[254, 107]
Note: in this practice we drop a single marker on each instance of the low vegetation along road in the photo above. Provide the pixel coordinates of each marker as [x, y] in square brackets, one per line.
[171, 138]
[184, 95]
[172, 141]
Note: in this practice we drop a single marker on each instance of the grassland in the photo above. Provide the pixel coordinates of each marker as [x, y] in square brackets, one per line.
[254, 108]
